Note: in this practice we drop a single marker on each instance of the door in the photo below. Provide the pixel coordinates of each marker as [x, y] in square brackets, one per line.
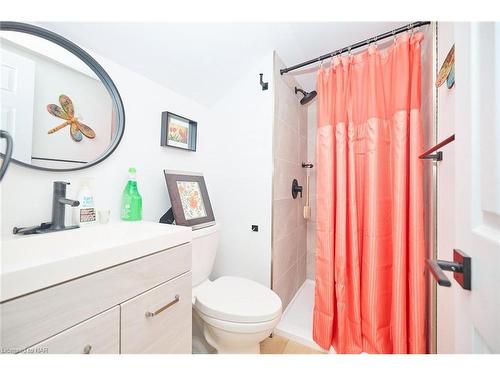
[18, 90]
[477, 185]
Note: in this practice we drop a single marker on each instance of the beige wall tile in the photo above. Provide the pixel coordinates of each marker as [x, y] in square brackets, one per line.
[286, 286]
[284, 173]
[303, 156]
[284, 218]
[301, 240]
[286, 143]
[301, 270]
[311, 265]
[284, 254]
[302, 112]
[287, 109]
[301, 202]
[311, 237]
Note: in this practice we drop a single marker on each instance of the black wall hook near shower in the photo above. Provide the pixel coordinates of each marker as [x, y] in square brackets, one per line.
[265, 85]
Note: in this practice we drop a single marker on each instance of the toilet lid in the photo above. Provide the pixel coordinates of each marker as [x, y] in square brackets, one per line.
[238, 300]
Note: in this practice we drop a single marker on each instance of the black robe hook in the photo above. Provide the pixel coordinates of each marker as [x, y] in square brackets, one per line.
[265, 85]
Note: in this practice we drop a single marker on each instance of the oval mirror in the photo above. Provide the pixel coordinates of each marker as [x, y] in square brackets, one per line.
[60, 106]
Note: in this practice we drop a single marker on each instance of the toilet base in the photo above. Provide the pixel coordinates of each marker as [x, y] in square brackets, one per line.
[216, 336]
[229, 343]
[199, 343]
[234, 343]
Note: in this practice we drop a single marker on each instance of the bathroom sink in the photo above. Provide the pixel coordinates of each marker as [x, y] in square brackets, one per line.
[34, 262]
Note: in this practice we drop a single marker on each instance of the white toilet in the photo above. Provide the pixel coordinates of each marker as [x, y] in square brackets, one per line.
[231, 314]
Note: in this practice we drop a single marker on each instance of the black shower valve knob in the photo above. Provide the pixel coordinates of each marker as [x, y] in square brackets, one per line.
[296, 188]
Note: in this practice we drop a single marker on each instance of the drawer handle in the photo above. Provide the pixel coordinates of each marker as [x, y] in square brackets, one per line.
[152, 314]
[87, 349]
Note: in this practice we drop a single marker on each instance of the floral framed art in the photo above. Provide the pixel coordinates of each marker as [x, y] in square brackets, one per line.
[189, 198]
[178, 131]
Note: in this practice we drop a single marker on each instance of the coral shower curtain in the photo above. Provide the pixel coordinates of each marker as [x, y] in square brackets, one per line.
[370, 288]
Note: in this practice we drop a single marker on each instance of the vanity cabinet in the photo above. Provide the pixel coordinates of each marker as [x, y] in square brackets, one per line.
[106, 311]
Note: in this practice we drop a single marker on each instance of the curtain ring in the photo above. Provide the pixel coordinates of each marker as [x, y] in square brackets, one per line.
[394, 35]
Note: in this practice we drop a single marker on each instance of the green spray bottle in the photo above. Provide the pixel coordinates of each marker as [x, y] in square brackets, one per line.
[131, 199]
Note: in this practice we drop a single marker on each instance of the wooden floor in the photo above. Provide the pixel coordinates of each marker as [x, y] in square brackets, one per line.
[280, 345]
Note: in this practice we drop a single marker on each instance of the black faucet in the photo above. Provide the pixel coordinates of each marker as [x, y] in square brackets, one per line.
[59, 202]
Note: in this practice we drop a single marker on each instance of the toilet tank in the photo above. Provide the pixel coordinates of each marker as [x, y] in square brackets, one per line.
[204, 248]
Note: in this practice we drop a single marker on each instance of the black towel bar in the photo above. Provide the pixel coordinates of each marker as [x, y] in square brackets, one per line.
[438, 156]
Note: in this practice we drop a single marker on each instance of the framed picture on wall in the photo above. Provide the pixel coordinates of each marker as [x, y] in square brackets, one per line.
[178, 131]
[189, 199]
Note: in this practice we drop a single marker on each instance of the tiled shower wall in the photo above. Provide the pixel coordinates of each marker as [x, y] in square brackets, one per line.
[289, 241]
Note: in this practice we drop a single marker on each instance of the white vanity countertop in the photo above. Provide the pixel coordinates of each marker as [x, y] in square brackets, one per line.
[38, 261]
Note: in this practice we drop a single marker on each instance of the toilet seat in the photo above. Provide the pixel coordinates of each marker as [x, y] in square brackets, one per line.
[237, 300]
[237, 327]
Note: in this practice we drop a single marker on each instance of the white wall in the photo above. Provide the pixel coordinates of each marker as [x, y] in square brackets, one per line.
[234, 151]
[241, 178]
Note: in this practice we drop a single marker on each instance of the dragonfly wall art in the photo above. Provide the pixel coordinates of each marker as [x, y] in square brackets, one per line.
[67, 113]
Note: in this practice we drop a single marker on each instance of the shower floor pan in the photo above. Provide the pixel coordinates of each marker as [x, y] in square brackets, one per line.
[296, 324]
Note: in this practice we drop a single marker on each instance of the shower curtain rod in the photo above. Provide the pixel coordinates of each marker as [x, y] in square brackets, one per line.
[357, 45]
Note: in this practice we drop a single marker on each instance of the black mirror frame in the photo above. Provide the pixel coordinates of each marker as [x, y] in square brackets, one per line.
[96, 68]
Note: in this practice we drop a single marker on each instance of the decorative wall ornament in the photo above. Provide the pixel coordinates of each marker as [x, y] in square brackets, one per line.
[447, 71]
[67, 112]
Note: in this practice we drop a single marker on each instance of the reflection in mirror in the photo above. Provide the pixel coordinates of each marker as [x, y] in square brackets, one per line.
[59, 113]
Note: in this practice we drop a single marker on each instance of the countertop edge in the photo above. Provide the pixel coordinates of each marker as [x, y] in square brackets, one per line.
[30, 280]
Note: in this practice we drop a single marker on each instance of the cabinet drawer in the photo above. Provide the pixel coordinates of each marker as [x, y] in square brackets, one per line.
[98, 335]
[159, 320]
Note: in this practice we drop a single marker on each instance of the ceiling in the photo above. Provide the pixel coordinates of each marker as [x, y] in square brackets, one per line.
[202, 60]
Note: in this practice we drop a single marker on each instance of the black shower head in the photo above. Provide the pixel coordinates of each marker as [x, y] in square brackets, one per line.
[308, 96]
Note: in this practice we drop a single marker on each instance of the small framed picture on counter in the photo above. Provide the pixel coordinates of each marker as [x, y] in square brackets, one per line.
[189, 199]
[178, 131]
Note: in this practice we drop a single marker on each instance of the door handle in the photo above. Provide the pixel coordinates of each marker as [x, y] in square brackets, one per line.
[437, 272]
[461, 268]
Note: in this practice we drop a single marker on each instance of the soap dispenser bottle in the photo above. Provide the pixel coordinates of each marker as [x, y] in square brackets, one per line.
[85, 213]
[131, 199]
